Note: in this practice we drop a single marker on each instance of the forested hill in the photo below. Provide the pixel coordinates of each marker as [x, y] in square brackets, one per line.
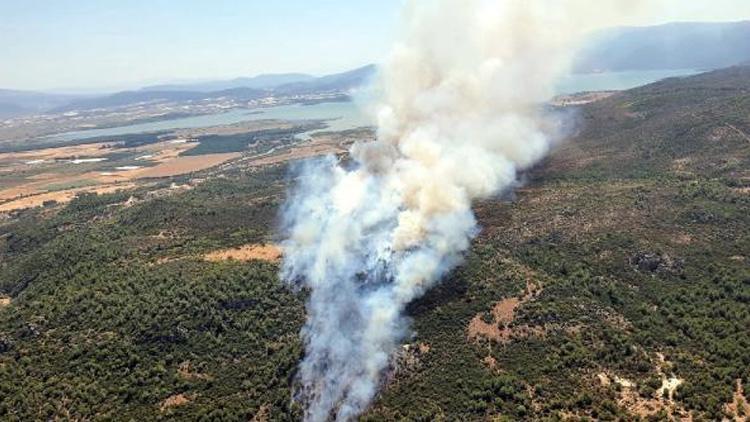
[615, 285]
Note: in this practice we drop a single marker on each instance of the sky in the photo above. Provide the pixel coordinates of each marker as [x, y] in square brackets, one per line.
[99, 45]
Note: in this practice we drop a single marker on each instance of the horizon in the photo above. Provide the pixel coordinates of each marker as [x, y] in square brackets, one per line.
[94, 91]
[116, 47]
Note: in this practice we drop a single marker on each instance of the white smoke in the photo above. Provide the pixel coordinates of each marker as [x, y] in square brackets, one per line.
[460, 115]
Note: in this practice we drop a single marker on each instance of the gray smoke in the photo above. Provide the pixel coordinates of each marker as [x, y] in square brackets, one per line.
[459, 117]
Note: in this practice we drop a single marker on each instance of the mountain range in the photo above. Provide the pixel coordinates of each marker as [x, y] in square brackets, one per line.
[266, 81]
[700, 46]
[261, 86]
[16, 103]
[683, 45]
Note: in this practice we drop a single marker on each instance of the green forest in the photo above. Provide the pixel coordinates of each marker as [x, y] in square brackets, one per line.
[635, 236]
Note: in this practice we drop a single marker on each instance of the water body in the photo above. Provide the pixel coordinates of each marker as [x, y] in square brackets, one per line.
[339, 116]
[346, 115]
[616, 81]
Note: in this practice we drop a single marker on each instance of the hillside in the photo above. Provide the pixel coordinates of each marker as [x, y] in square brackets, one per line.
[615, 284]
[684, 45]
[621, 265]
[125, 98]
[268, 81]
[340, 82]
[15, 103]
[285, 83]
[337, 82]
[18, 103]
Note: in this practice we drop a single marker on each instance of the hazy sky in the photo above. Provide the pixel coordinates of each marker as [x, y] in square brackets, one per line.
[113, 44]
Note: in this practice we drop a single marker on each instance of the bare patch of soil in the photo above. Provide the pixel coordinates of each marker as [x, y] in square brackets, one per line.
[4, 301]
[270, 253]
[187, 372]
[739, 408]
[604, 379]
[62, 196]
[644, 407]
[17, 191]
[184, 165]
[174, 401]
[263, 415]
[490, 362]
[581, 98]
[498, 329]
[86, 150]
[503, 314]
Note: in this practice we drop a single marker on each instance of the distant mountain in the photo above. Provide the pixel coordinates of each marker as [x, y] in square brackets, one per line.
[295, 83]
[268, 81]
[8, 110]
[337, 82]
[331, 83]
[130, 97]
[126, 98]
[700, 46]
[17, 103]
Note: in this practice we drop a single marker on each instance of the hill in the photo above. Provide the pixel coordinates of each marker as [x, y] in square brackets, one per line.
[621, 269]
[129, 98]
[291, 83]
[615, 285]
[12, 110]
[337, 82]
[16, 103]
[672, 46]
[268, 81]
[340, 82]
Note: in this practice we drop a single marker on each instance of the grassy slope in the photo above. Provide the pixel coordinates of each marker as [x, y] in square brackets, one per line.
[104, 317]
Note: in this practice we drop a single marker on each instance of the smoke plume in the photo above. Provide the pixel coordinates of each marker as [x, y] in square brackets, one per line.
[459, 116]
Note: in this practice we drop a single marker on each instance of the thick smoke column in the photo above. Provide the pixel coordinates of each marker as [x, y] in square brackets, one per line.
[459, 116]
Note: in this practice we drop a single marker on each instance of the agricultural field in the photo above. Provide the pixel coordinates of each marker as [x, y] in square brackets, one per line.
[34, 176]
[613, 285]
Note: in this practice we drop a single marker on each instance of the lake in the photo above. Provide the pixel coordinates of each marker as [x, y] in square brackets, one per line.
[346, 115]
[616, 81]
[340, 116]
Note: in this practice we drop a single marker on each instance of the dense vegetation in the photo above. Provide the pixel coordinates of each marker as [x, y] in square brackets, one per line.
[639, 231]
[215, 144]
[114, 311]
[635, 235]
